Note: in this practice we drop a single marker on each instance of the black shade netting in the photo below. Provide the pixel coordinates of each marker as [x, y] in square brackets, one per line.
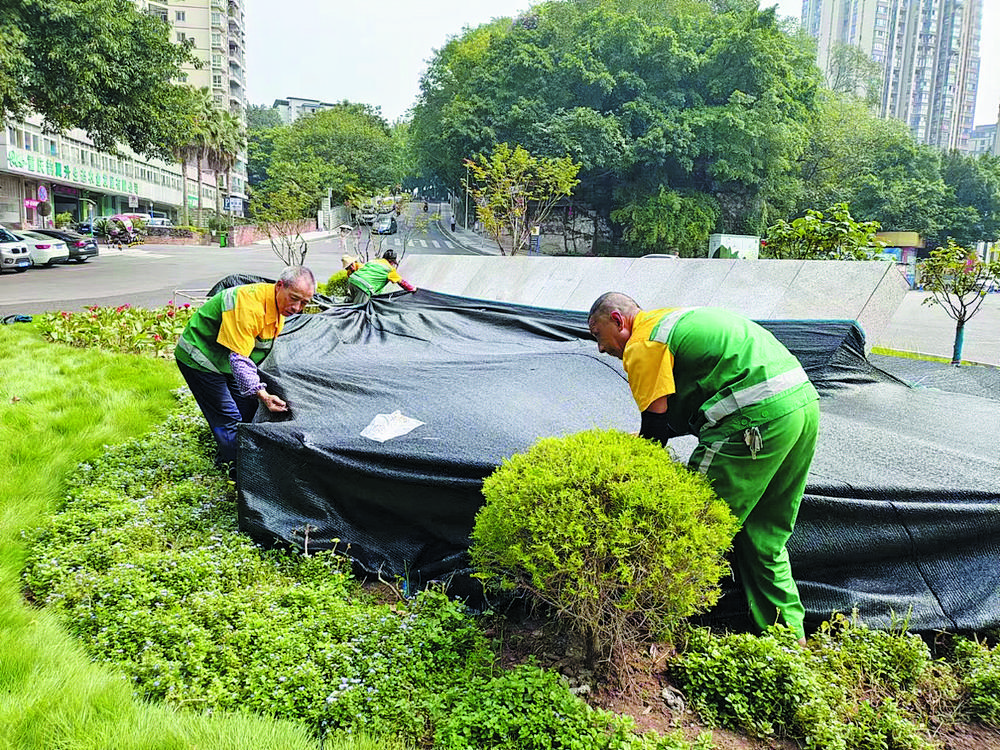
[901, 517]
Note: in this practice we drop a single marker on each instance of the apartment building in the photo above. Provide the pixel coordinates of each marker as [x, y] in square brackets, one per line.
[65, 171]
[292, 108]
[218, 32]
[983, 140]
[928, 51]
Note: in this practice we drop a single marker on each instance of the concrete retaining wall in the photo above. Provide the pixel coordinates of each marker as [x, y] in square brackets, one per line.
[867, 291]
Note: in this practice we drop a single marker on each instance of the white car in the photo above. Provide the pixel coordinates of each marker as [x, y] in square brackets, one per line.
[44, 250]
[14, 253]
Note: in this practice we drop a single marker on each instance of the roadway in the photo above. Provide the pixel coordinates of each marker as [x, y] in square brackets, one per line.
[150, 275]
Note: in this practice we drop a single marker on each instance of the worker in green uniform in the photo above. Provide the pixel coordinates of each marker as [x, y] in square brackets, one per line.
[368, 279]
[720, 376]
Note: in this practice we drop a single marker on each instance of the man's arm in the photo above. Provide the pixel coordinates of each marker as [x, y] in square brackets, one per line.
[248, 382]
[654, 424]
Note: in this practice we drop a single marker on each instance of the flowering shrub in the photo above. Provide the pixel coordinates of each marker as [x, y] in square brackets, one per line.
[126, 329]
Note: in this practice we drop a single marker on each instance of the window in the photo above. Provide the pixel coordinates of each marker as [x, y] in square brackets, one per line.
[181, 37]
[158, 11]
[179, 15]
[216, 60]
[217, 80]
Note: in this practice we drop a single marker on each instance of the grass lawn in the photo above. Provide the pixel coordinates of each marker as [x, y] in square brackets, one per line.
[58, 407]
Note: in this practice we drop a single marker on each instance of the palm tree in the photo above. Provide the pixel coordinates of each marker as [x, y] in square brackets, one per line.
[230, 144]
[206, 135]
[185, 146]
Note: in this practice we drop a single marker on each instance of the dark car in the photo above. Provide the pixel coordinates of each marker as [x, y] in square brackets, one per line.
[384, 224]
[81, 248]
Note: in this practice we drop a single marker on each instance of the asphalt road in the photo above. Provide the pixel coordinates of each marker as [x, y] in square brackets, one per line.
[151, 275]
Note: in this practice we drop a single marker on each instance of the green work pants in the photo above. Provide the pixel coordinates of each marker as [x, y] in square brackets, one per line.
[764, 493]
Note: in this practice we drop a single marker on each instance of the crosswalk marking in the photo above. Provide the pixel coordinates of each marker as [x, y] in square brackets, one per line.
[435, 243]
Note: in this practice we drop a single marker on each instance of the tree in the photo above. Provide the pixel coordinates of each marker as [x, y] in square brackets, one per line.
[230, 142]
[281, 218]
[68, 60]
[515, 191]
[958, 281]
[262, 117]
[687, 96]
[851, 72]
[669, 221]
[815, 236]
[974, 211]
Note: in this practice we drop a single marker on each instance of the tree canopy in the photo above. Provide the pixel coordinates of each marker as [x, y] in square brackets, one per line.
[99, 65]
[346, 150]
[690, 97]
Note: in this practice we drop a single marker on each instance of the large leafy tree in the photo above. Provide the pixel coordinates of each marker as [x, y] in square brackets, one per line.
[343, 151]
[99, 65]
[685, 96]
[974, 214]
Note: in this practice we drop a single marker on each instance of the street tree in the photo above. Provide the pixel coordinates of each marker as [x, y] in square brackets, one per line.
[230, 142]
[515, 191]
[958, 281]
[281, 218]
[103, 66]
[835, 235]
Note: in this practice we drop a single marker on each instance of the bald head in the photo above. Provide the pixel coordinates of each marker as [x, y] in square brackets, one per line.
[610, 322]
[610, 301]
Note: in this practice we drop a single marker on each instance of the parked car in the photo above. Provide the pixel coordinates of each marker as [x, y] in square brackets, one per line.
[14, 253]
[159, 221]
[81, 248]
[44, 250]
[385, 224]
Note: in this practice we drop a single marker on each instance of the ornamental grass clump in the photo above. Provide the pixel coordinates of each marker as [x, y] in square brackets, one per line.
[610, 531]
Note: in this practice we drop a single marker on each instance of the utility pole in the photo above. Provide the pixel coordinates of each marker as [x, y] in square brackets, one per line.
[466, 195]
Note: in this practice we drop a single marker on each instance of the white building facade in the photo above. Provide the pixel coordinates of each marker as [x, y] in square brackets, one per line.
[928, 51]
[292, 108]
[68, 174]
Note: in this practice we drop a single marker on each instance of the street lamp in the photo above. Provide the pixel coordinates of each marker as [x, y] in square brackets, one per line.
[466, 195]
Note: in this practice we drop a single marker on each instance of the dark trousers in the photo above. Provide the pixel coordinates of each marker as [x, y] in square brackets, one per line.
[223, 407]
[359, 296]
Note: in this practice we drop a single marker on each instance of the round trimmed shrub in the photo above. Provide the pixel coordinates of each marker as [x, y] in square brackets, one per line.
[608, 529]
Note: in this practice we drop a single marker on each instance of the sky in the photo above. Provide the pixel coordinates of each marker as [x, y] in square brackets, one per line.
[375, 54]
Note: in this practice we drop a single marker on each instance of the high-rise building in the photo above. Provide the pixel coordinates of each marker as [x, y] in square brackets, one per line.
[44, 174]
[928, 51]
[983, 140]
[216, 29]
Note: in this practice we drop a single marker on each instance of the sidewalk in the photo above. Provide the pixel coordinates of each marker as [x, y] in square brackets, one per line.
[464, 238]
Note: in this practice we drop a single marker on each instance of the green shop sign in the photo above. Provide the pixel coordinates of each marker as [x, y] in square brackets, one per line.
[42, 166]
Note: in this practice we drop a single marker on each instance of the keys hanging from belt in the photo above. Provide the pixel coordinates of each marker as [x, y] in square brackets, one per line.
[751, 436]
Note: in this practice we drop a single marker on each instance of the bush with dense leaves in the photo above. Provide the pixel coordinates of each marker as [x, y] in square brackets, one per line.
[610, 531]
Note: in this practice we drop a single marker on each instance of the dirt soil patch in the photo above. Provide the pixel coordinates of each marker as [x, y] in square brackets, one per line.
[651, 699]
